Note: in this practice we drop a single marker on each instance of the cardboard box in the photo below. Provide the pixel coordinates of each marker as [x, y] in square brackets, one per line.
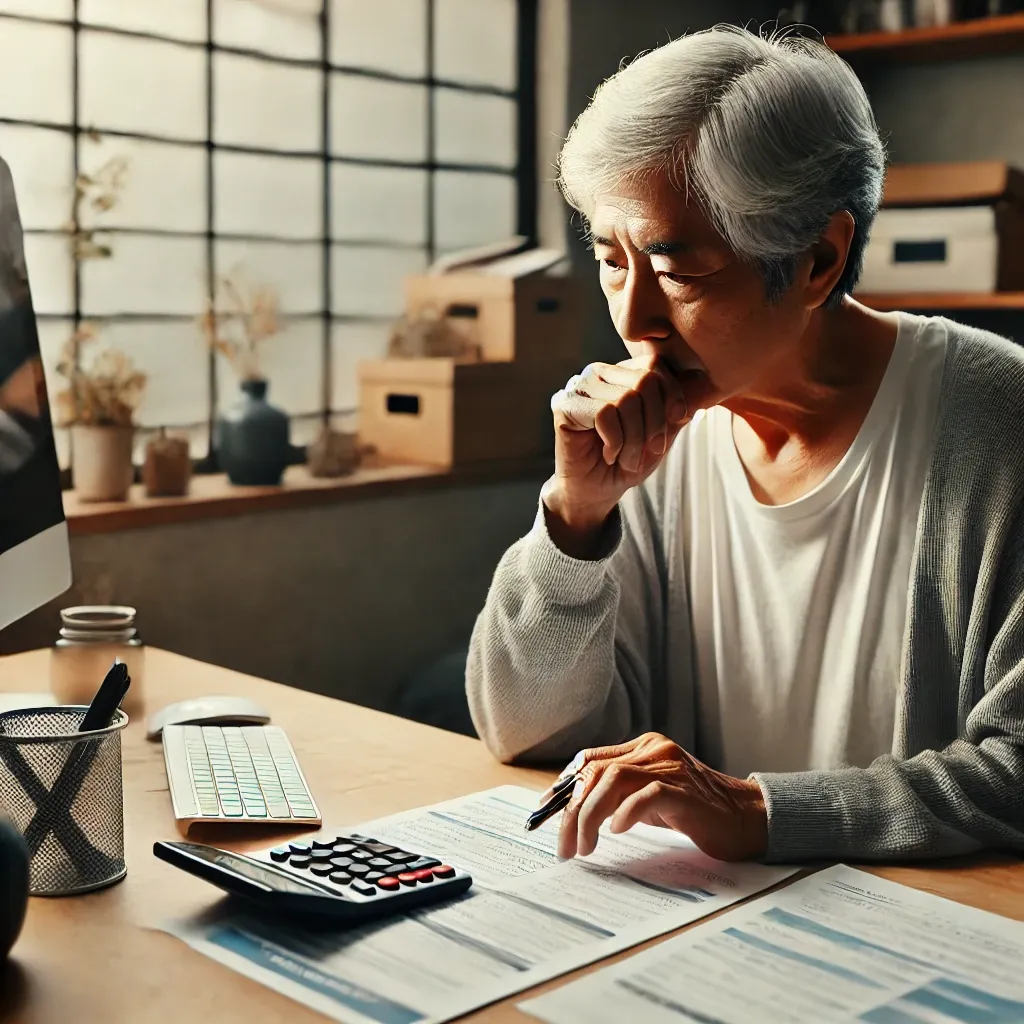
[504, 303]
[443, 412]
[948, 228]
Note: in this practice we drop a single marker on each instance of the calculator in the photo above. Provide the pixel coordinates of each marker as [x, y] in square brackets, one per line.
[335, 880]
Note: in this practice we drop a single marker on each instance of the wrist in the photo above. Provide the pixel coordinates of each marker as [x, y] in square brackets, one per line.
[753, 819]
[578, 530]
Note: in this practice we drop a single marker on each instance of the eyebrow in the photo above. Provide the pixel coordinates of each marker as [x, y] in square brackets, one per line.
[654, 249]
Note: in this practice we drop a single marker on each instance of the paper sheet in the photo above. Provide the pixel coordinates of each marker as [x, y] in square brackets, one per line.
[529, 917]
[839, 946]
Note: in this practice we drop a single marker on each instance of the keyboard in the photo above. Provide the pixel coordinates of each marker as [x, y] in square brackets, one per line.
[235, 774]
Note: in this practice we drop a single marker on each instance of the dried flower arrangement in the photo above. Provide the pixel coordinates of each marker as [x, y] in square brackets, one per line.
[106, 392]
[237, 326]
[428, 335]
[101, 190]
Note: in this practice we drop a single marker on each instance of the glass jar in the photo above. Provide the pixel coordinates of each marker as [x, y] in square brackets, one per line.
[91, 638]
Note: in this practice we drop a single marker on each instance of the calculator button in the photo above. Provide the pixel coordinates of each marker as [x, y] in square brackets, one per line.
[341, 877]
[321, 867]
[398, 857]
[342, 846]
[280, 854]
[357, 838]
[424, 875]
[380, 862]
[407, 878]
[359, 870]
[323, 844]
[361, 855]
[299, 847]
[363, 888]
[388, 883]
[373, 876]
[300, 861]
[342, 863]
[444, 871]
[322, 854]
[379, 848]
[422, 862]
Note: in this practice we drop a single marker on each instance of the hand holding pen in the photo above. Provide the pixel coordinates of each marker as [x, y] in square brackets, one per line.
[556, 798]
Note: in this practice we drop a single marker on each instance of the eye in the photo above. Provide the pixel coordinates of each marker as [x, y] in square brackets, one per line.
[611, 264]
[679, 278]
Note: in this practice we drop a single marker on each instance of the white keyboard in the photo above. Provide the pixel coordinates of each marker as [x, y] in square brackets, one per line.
[235, 773]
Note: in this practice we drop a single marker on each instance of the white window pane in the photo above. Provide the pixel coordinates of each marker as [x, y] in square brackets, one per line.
[269, 105]
[371, 118]
[250, 26]
[137, 85]
[164, 185]
[38, 8]
[475, 41]
[48, 261]
[367, 281]
[388, 35]
[475, 129]
[174, 358]
[266, 195]
[292, 363]
[381, 204]
[293, 270]
[35, 72]
[473, 209]
[146, 275]
[42, 164]
[349, 344]
[179, 19]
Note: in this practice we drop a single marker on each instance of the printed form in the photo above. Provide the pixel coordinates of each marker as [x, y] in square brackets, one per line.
[839, 946]
[528, 917]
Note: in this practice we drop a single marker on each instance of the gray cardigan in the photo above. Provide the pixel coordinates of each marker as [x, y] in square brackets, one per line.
[568, 654]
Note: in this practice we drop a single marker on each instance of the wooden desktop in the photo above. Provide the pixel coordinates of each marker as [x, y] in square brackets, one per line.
[97, 958]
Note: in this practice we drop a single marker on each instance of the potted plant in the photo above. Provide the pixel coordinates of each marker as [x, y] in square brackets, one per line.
[98, 404]
[252, 437]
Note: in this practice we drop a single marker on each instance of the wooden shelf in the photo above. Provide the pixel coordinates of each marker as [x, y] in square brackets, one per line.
[983, 37]
[910, 301]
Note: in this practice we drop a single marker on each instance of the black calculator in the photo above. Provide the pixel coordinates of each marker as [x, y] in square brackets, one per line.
[330, 880]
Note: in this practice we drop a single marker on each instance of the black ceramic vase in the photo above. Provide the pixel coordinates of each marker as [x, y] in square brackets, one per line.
[13, 885]
[253, 445]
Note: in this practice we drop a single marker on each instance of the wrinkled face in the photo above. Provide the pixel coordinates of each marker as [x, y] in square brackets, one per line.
[674, 288]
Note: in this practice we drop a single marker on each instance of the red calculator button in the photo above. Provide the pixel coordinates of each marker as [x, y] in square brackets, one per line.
[424, 875]
[408, 878]
[444, 871]
[387, 883]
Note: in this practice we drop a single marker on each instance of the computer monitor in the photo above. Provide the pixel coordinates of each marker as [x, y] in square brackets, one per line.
[35, 563]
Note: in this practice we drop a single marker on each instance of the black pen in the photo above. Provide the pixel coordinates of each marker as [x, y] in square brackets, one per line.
[561, 794]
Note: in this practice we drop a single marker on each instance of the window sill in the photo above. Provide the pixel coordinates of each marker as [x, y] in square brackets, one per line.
[212, 497]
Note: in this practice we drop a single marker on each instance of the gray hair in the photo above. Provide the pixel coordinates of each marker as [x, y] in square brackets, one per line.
[772, 135]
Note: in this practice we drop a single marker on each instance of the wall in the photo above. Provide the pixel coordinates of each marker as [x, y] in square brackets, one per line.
[343, 599]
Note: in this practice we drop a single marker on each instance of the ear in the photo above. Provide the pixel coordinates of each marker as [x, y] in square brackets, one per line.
[828, 258]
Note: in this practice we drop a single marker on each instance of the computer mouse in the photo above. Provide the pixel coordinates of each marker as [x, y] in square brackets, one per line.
[207, 711]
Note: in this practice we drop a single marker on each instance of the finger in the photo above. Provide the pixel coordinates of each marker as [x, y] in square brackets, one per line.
[643, 373]
[587, 777]
[644, 805]
[575, 411]
[617, 782]
[641, 410]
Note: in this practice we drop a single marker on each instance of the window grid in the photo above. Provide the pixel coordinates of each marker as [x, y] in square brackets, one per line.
[523, 173]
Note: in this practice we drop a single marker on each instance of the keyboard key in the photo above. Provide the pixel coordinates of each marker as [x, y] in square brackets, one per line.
[373, 876]
[444, 871]
[379, 848]
[299, 847]
[356, 837]
[340, 877]
[280, 854]
[422, 862]
[321, 868]
[300, 861]
[361, 855]
[398, 857]
[424, 875]
[408, 878]
[380, 862]
[324, 844]
[322, 854]
[343, 846]
[359, 870]
[342, 863]
[363, 888]
[388, 883]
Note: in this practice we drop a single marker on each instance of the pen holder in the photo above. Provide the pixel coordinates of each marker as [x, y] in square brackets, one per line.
[62, 790]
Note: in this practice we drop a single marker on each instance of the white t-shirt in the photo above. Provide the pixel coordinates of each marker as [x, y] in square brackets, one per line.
[799, 610]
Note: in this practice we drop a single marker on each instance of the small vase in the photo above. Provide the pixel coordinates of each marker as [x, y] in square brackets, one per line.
[102, 462]
[253, 444]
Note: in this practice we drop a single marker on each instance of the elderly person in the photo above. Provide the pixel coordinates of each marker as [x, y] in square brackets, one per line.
[787, 531]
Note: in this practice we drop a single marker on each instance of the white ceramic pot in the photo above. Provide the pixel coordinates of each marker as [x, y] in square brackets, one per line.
[101, 462]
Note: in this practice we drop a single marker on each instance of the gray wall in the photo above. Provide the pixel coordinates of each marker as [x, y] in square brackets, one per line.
[343, 599]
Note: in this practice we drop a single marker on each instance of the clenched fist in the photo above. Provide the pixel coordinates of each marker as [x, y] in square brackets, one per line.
[614, 424]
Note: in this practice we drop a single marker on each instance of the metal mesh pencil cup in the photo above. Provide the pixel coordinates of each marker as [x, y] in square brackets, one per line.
[62, 789]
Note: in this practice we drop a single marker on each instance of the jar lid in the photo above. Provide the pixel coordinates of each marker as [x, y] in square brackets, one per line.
[94, 617]
[110, 636]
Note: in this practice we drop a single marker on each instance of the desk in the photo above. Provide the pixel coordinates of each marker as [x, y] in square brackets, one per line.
[91, 958]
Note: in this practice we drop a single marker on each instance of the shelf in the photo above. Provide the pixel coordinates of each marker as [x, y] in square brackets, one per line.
[983, 37]
[910, 301]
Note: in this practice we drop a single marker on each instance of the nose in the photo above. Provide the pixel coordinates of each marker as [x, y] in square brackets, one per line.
[641, 315]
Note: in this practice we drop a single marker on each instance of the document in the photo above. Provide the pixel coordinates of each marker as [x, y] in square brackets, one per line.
[838, 946]
[528, 917]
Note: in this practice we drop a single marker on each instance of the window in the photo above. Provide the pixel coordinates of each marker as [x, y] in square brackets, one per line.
[326, 153]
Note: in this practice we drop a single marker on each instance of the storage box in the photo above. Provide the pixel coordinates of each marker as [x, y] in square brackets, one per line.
[948, 228]
[444, 412]
[509, 307]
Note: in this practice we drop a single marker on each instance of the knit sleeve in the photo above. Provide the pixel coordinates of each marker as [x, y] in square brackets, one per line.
[565, 653]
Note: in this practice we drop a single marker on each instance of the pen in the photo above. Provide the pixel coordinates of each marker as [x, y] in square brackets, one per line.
[561, 794]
